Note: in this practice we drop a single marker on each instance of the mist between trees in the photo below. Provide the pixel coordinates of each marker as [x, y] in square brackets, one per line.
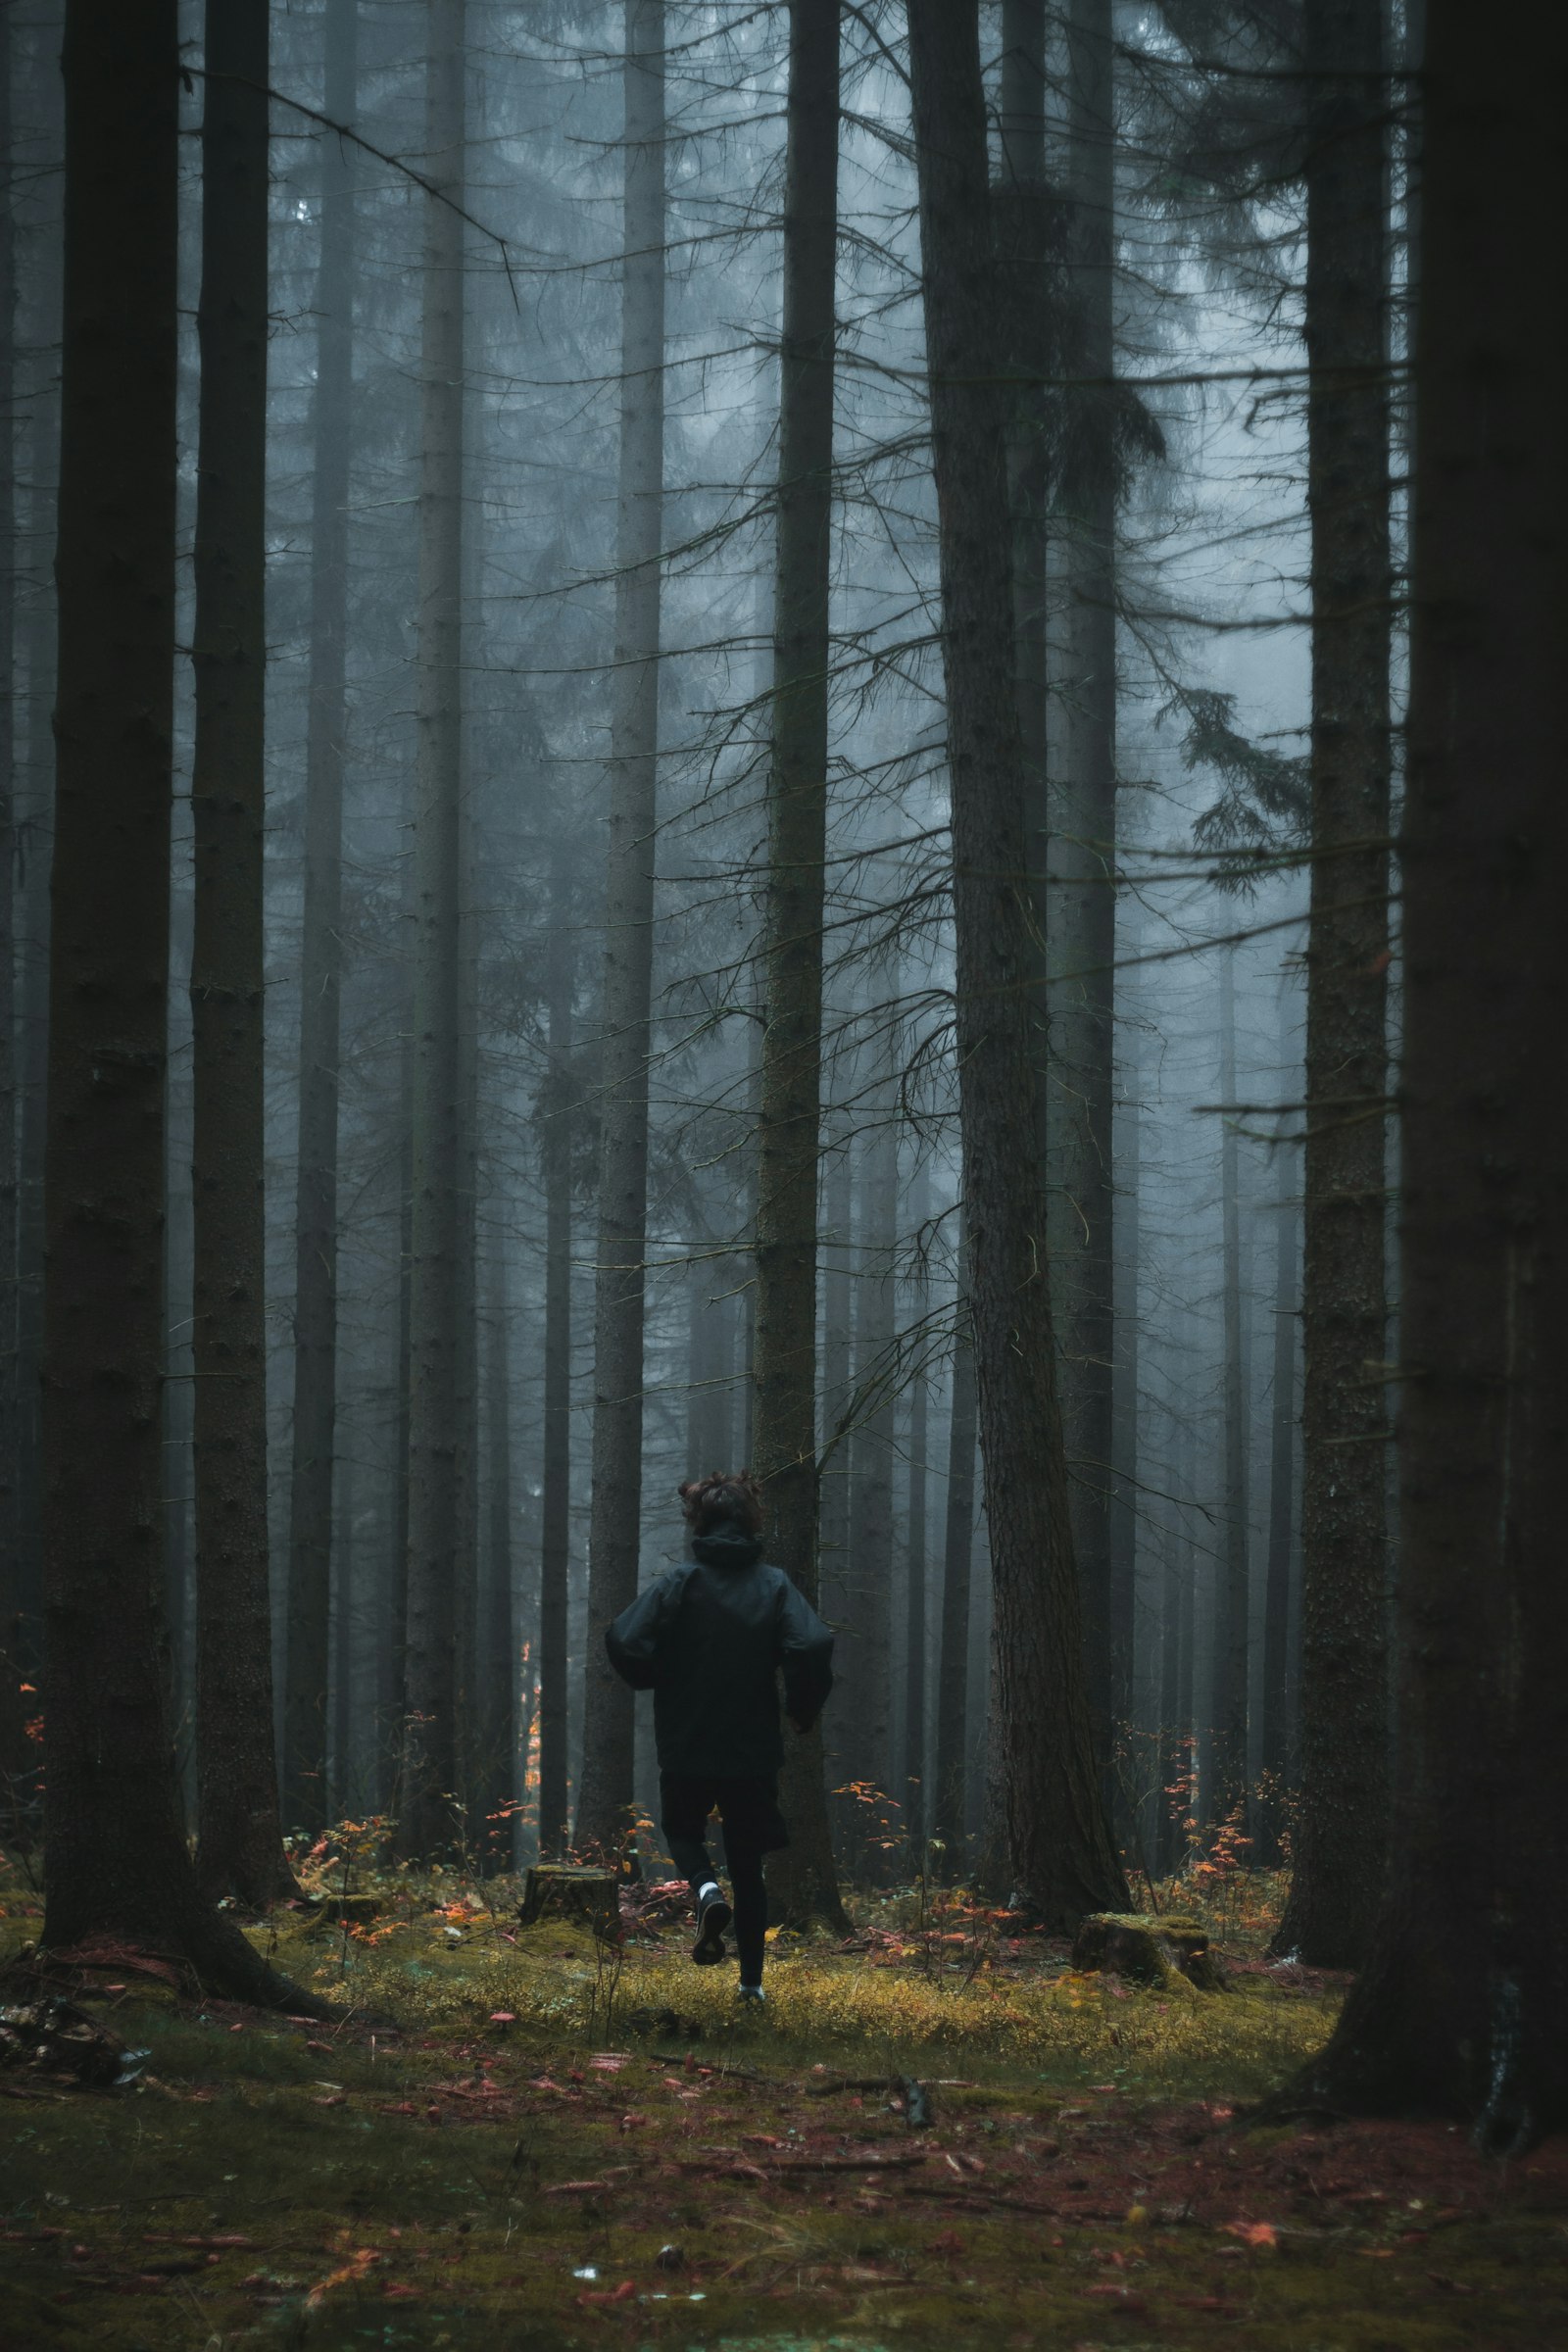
[721, 743]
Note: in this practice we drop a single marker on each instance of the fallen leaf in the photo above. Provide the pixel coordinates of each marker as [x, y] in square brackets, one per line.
[1253, 2234]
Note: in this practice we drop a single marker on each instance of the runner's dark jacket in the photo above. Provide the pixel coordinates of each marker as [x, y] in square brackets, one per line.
[707, 1641]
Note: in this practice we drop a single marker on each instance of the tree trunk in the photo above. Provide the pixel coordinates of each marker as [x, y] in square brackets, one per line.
[1026, 223]
[605, 1808]
[12, 1737]
[708, 1360]
[1226, 1794]
[239, 1849]
[1169, 1749]
[1342, 1836]
[1059, 1853]
[1124, 1494]
[321, 961]
[467, 1724]
[1459, 2008]
[1081, 941]
[36, 101]
[1187, 1638]
[116, 1861]
[428, 1821]
[395, 1688]
[864, 1657]
[344, 1804]
[498, 1664]
[784, 1367]
[912, 1791]
[950, 1800]
[1281, 1518]
[553, 1113]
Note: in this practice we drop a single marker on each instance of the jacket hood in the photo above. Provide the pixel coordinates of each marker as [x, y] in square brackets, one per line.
[727, 1547]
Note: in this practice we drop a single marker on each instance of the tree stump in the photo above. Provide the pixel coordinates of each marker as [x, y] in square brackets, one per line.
[563, 1891]
[357, 1910]
[1151, 1951]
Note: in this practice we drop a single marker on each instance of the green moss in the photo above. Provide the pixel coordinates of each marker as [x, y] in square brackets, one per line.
[411, 2189]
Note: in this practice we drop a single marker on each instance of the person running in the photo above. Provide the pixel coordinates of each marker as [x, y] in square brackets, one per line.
[709, 1640]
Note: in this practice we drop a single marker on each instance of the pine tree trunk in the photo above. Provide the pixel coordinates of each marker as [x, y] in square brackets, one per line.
[1027, 229]
[38, 102]
[465, 1564]
[316, 1235]
[428, 1821]
[13, 1738]
[115, 1857]
[498, 1663]
[345, 1600]
[784, 1367]
[239, 1839]
[913, 1790]
[606, 1807]
[1342, 1836]
[1228, 1714]
[865, 1654]
[1125, 1502]
[949, 1801]
[1280, 1517]
[1459, 2008]
[1060, 1851]
[395, 1686]
[1081, 931]
[1172, 1730]
[554, 1113]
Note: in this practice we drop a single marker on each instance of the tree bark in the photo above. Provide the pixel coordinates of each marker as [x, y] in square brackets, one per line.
[554, 1113]
[1125, 1505]
[12, 1715]
[950, 1800]
[430, 1820]
[1226, 1794]
[497, 1660]
[1169, 1751]
[1459, 2008]
[1342, 1836]
[1060, 1851]
[784, 1364]
[37, 102]
[116, 1862]
[395, 1688]
[316, 1236]
[239, 1849]
[913, 1790]
[1281, 1515]
[345, 1601]
[1081, 930]
[605, 1808]
[864, 1658]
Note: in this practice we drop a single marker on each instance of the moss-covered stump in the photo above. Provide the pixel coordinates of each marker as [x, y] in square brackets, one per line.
[1161, 1952]
[357, 1910]
[564, 1890]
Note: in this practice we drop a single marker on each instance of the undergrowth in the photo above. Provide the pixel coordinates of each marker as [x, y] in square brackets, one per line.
[521, 2138]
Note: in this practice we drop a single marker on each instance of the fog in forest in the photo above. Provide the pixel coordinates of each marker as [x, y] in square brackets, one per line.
[764, 655]
[1173, 917]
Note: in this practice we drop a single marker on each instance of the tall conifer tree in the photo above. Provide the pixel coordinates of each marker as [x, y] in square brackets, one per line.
[784, 1368]
[605, 1808]
[430, 1796]
[239, 1845]
[116, 1862]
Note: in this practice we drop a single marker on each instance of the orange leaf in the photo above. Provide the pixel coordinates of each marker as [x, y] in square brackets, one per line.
[1253, 2234]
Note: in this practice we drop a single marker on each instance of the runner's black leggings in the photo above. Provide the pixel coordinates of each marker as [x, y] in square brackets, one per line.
[743, 1859]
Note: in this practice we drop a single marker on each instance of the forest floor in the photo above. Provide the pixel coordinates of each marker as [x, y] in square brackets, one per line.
[517, 2138]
